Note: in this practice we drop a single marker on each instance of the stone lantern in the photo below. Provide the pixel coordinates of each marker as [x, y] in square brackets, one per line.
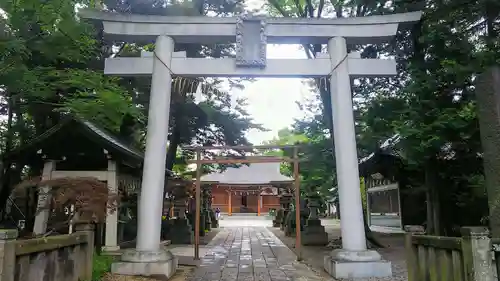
[206, 197]
[279, 214]
[314, 233]
[313, 204]
[285, 201]
[181, 232]
[214, 223]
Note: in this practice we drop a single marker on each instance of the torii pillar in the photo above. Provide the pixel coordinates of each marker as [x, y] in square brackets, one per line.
[149, 258]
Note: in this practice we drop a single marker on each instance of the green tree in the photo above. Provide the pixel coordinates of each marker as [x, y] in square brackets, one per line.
[434, 110]
[430, 103]
[39, 83]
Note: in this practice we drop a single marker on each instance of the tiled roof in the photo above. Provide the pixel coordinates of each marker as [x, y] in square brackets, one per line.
[90, 129]
[111, 139]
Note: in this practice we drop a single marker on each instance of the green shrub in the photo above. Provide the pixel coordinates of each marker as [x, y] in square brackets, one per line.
[100, 266]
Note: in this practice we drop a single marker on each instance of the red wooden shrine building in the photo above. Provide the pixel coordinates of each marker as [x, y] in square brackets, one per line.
[247, 189]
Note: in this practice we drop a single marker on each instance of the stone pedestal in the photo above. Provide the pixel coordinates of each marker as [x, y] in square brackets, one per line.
[314, 233]
[214, 223]
[278, 218]
[208, 220]
[285, 200]
[181, 232]
[110, 249]
[356, 264]
[160, 264]
[290, 224]
[202, 223]
[283, 219]
[205, 210]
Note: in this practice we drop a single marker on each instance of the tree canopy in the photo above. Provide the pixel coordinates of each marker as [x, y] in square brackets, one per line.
[430, 105]
[52, 66]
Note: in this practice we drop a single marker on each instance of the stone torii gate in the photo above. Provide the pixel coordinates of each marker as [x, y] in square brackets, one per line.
[251, 35]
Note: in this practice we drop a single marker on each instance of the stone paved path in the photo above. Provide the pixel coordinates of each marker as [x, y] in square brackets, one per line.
[250, 254]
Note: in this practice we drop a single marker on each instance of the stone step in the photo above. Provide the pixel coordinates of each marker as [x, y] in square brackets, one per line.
[245, 217]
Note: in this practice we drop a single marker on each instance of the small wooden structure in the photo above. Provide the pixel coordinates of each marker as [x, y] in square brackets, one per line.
[247, 189]
[391, 200]
[78, 148]
[199, 161]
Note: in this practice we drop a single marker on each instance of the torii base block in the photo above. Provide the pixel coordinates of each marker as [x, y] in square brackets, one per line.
[344, 264]
[161, 265]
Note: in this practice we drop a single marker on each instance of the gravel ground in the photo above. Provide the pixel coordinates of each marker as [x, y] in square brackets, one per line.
[313, 255]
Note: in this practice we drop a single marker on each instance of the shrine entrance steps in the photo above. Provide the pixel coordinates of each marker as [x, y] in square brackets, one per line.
[243, 215]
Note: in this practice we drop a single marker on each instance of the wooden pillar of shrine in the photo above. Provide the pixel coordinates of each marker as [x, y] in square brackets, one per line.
[229, 204]
[258, 204]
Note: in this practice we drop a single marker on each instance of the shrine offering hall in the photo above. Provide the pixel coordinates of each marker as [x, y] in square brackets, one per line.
[247, 189]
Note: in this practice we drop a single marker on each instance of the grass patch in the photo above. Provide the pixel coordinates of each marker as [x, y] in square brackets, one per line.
[100, 266]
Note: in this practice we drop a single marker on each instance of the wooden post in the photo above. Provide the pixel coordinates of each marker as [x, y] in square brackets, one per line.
[44, 199]
[298, 241]
[230, 204]
[258, 204]
[476, 249]
[399, 208]
[8, 254]
[411, 251]
[198, 202]
[368, 183]
[88, 255]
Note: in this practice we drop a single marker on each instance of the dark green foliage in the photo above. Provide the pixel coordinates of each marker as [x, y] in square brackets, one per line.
[52, 65]
[430, 105]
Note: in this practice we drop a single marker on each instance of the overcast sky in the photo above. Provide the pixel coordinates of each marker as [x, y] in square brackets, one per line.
[272, 101]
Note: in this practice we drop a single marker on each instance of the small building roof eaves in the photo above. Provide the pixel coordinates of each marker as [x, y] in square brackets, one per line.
[253, 174]
[387, 147]
[109, 139]
[92, 131]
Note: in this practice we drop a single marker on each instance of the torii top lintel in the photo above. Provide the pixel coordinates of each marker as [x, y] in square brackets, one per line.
[203, 30]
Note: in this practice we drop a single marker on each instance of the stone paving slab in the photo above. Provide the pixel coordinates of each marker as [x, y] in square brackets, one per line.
[250, 254]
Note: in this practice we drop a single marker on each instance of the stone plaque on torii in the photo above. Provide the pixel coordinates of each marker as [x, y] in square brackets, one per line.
[251, 35]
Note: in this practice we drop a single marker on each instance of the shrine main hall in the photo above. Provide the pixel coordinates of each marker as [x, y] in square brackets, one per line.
[252, 188]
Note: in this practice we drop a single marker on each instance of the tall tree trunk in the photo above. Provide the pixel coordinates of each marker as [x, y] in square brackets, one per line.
[7, 163]
[433, 202]
[13, 175]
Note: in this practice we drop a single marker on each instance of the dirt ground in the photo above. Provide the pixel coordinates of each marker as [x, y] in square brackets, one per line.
[313, 255]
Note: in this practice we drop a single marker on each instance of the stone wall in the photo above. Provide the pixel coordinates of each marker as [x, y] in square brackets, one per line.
[61, 257]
